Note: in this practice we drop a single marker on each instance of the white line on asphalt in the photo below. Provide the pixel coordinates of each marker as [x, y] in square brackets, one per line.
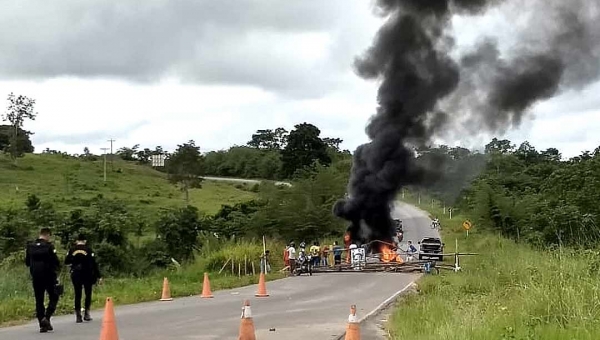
[385, 303]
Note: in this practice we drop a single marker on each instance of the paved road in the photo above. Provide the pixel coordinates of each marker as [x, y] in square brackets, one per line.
[242, 180]
[298, 307]
[416, 224]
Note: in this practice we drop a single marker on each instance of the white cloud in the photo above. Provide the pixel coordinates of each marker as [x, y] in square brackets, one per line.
[217, 81]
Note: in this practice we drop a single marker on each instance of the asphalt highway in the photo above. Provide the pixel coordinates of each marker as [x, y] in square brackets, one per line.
[313, 307]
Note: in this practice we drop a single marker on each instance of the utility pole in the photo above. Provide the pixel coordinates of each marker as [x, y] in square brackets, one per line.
[104, 149]
[111, 154]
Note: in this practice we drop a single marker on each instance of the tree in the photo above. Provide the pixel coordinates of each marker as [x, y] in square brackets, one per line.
[128, 154]
[178, 229]
[19, 108]
[24, 144]
[527, 153]
[304, 147]
[269, 139]
[87, 155]
[333, 143]
[499, 146]
[185, 167]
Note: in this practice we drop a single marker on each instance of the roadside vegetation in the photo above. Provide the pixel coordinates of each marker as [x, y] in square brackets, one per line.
[537, 275]
[148, 222]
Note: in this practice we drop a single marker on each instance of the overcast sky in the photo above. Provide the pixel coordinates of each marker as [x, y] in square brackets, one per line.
[170, 71]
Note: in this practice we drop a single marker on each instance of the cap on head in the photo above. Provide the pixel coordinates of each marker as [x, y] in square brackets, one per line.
[81, 237]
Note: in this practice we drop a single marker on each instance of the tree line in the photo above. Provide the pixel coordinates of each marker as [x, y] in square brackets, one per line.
[270, 154]
[525, 194]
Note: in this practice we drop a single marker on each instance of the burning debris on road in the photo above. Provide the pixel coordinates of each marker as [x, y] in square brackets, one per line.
[424, 92]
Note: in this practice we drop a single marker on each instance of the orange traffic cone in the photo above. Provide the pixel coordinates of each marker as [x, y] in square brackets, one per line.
[247, 331]
[353, 328]
[206, 293]
[166, 292]
[262, 287]
[109, 327]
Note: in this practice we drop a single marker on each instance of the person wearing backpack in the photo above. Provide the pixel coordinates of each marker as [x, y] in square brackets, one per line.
[44, 266]
[84, 274]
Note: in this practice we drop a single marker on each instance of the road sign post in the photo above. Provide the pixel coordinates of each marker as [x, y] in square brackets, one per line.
[467, 225]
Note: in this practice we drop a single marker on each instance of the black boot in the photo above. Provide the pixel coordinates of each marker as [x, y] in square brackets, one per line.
[78, 318]
[48, 324]
[43, 325]
[86, 315]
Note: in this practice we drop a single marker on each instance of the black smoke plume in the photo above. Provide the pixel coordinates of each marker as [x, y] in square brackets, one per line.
[424, 92]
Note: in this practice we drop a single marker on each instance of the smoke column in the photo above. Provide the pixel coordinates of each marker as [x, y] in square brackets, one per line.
[424, 92]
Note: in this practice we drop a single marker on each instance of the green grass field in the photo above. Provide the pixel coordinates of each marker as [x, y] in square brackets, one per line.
[509, 291]
[69, 183]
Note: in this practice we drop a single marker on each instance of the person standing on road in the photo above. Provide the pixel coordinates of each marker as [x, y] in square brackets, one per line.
[337, 253]
[314, 252]
[325, 255]
[291, 250]
[84, 274]
[43, 263]
[410, 251]
[286, 256]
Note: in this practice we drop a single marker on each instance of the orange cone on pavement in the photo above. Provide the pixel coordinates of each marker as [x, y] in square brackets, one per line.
[166, 291]
[247, 331]
[206, 293]
[109, 327]
[353, 328]
[262, 287]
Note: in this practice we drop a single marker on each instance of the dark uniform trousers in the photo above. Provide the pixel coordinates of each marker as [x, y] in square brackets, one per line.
[82, 282]
[41, 286]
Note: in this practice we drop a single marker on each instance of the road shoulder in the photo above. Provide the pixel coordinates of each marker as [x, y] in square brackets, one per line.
[373, 324]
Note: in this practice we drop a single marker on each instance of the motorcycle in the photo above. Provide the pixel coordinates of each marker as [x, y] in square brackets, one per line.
[303, 264]
[400, 235]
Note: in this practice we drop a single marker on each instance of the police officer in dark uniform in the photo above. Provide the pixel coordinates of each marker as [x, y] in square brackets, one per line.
[84, 274]
[44, 266]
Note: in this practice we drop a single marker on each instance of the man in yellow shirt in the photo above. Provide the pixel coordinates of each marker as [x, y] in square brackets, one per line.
[314, 252]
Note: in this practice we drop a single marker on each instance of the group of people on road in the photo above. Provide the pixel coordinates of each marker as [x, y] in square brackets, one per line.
[44, 268]
[319, 255]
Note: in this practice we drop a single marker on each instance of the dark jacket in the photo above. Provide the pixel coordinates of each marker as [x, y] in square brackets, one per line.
[42, 261]
[83, 263]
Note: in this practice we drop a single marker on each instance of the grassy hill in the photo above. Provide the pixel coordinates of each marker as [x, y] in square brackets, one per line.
[69, 183]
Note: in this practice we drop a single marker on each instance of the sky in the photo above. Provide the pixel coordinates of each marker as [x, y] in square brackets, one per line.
[166, 72]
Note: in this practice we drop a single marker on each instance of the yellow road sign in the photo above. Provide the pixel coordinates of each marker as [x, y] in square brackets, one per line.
[467, 225]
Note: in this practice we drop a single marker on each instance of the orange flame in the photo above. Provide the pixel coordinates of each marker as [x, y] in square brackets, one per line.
[389, 255]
